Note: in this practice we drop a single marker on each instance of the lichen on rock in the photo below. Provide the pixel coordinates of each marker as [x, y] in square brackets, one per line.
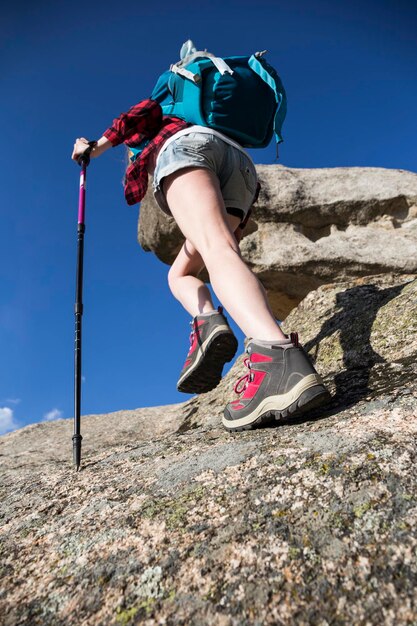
[312, 522]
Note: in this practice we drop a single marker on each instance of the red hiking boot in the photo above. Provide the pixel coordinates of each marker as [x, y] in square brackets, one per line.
[281, 383]
[212, 344]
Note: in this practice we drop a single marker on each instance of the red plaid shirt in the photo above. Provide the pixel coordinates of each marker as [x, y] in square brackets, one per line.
[142, 121]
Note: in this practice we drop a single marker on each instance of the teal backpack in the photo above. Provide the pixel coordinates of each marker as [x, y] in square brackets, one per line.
[242, 97]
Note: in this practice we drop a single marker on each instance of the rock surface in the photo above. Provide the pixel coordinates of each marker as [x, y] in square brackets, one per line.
[174, 521]
[315, 226]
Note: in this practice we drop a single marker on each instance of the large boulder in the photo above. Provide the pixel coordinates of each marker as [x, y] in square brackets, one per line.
[172, 520]
[314, 226]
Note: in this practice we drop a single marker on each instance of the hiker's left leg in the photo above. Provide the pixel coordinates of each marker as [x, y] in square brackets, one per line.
[212, 342]
[184, 283]
[183, 280]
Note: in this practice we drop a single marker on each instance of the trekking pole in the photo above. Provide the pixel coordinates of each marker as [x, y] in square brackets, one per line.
[83, 161]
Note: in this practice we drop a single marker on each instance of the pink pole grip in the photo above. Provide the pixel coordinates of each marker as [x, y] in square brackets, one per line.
[81, 200]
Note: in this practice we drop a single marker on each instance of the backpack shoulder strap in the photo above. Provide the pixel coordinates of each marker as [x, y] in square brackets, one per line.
[181, 69]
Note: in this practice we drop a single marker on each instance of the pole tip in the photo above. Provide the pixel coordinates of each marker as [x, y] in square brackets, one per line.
[76, 449]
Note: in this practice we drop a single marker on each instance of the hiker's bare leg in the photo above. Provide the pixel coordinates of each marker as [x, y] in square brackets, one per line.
[194, 197]
[191, 291]
[183, 280]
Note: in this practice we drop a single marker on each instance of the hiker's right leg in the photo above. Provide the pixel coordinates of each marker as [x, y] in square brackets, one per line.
[283, 381]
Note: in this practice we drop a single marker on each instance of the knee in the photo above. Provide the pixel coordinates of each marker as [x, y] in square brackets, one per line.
[218, 252]
[173, 276]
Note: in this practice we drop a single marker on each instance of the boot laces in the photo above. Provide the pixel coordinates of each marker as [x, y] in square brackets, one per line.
[192, 334]
[243, 382]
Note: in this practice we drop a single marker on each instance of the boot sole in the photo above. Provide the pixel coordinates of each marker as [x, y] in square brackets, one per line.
[207, 371]
[311, 394]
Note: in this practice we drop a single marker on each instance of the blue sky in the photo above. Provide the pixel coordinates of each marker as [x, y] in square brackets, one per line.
[66, 70]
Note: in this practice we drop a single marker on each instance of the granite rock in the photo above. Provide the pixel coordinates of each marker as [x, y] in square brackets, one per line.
[172, 520]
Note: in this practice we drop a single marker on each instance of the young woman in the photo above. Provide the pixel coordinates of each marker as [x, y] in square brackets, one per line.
[208, 183]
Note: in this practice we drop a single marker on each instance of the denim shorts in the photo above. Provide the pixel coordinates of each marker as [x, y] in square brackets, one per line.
[234, 169]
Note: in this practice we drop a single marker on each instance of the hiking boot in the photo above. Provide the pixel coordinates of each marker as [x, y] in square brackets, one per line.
[212, 344]
[281, 383]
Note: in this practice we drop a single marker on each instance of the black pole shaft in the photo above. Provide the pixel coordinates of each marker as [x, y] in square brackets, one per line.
[77, 437]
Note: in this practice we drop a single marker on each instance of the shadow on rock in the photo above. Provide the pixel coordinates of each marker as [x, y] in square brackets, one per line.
[355, 314]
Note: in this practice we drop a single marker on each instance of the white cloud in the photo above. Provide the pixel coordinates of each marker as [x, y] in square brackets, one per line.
[7, 421]
[54, 414]
[13, 400]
